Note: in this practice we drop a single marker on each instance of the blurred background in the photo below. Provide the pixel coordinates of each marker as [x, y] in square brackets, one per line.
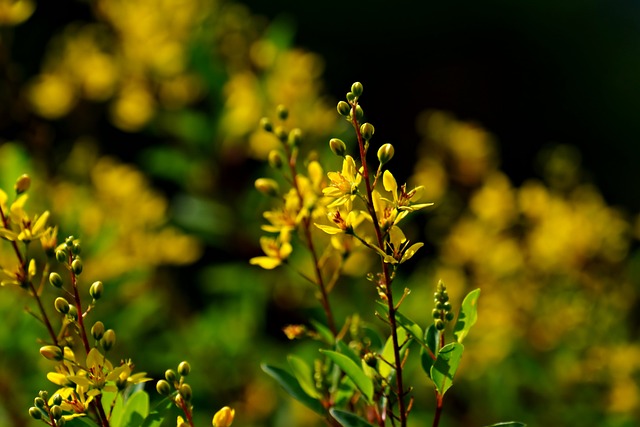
[137, 120]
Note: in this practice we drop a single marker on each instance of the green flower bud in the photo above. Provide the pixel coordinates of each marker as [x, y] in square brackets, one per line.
[385, 153]
[185, 392]
[282, 112]
[359, 113]
[170, 375]
[367, 130]
[370, 359]
[39, 402]
[267, 186]
[281, 133]
[22, 184]
[295, 136]
[55, 280]
[35, 413]
[57, 399]
[62, 255]
[69, 241]
[184, 368]
[446, 306]
[52, 352]
[108, 339]
[97, 330]
[338, 147]
[76, 266]
[44, 395]
[344, 109]
[73, 313]
[275, 159]
[61, 422]
[449, 316]
[439, 324]
[356, 88]
[439, 305]
[351, 97]
[96, 290]
[61, 305]
[435, 313]
[76, 249]
[56, 412]
[163, 387]
[266, 124]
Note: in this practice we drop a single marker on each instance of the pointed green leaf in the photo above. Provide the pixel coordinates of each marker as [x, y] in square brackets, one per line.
[80, 422]
[157, 416]
[118, 407]
[430, 339]
[347, 419]
[136, 409]
[291, 386]
[354, 372]
[446, 365]
[409, 325]
[468, 315]
[508, 424]
[303, 373]
[324, 332]
[343, 348]
[387, 353]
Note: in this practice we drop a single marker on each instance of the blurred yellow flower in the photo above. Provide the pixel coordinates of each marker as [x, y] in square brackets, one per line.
[224, 417]
[14, 12]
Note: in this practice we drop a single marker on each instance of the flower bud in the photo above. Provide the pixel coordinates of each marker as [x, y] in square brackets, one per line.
[22, 184]
[266, 124]
[435, 313]
[97, 330]
[170, 375]
[275, 159]
[96, 290]
[185, 392]
[367, 130]
[73, 313]
[61, 422]
[439, 324]
[61, 305]
[69, 241]
[385, 153]
[57, 399]
[52, 352]
[62, 255]
[163, 387]
[55, 280]
[281, 133]
[359, 113]
[108, 339]
[184, 368]
[338, 147]
[76, 266]
[224, 417]
[282, 112]
[449, 316]
[39, 402]
[76, 249]
[267, 186]
[356, 88]
[344, 109]
[351, 97]
[295, 136]
[44, 395]
[35, 413]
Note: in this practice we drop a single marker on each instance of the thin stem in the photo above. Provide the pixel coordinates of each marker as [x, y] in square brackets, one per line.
[385, 269]
[436, 417]
[76, 298]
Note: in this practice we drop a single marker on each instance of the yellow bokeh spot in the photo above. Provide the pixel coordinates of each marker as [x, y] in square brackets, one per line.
[51, 95]
[14, 12]
[133, 108]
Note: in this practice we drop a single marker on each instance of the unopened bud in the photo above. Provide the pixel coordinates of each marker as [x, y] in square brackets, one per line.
[281, 133]
[35, 413]
[267, 186]
[97, 330]
[76, 266]
[344, 109]
[163, 387]
[52, 352]
[170, 375]
[266, 124]
[295, 136]
[62, 255]
[282, 112]
[449, 316]
[275, 159]
[439, 324]
[351, 97]
[184, 368]
[96, 290]
[224, 417]
[76, 249]
[356, 88]
[367, 131]
[39, 402]
[185, 392]
[385, 153]
[338, 147]
[108, 339]
[22, 184]
[56, 280]
[61, 305]
[61, 422]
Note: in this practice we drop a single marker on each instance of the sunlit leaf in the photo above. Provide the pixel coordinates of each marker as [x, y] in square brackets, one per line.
[347, 419]
[136, 409]
[426, 357]
[387, 353]
[354, 372]
[291, 386]
[446, 365]
[468, 315]
[304, 374]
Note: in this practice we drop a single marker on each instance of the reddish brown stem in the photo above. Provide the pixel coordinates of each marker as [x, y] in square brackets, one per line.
[436, 416]
[385, 269]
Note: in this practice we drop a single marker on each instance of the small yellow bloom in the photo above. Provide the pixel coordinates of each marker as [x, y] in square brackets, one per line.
[276, 250]
[342, 225]
[224, 417]
[344, 184]
[402, 200]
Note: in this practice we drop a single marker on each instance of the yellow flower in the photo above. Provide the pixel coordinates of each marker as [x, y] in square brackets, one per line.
[402, 200]
[342, 225]
[224, 417]
[276, 250]
[344, 184]
[30, 228]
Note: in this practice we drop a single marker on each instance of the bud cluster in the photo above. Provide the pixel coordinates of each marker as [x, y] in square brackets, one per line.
[42, 409]
[442, 312]
[178, 388]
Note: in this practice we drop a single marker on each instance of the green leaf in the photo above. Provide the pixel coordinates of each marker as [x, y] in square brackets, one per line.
[136, 409]
[157, 416]
[303, 373]
[430, 338]
[409, 325]
[291, 386]
[446, 365]
[508, 424]
[324, 332]
[116, 414]
[80, 422]
[468, 315]
[387, 353]
[354, 372]
[375, 340]
[347, 419]
[343, 348]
